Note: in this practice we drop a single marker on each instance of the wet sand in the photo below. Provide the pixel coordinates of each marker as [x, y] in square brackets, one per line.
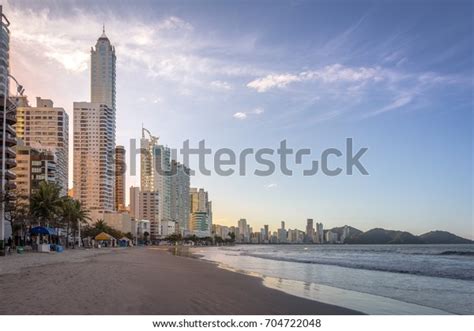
[144, 281]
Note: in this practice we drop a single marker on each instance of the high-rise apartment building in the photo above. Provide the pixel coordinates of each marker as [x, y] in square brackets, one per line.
[94, 134]
[282, 234]
[33, 167]
[149, 210]
[155, 176]
[46, 128]
[134, 202]
[319, 233]
[266, 233]
[244, 234]
[180, 196]
[309, 238]
[199, 203]
[7, 120]
[120, 168]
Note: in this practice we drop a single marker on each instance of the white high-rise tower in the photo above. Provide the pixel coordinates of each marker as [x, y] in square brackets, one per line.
[94, 134]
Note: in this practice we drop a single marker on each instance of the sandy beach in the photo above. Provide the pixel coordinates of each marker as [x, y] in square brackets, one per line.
[138, 281]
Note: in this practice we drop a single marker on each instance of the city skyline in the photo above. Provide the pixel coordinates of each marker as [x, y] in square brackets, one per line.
[189, 96]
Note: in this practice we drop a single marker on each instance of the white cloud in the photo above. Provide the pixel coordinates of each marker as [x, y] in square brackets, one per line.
[272, 81]
[328, 74]
[245, 115]
[270, 186]
[240, 115]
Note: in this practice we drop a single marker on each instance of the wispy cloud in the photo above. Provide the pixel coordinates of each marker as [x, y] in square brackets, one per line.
[245, 115]
[221, 85]
[328, 74]
[399, 102]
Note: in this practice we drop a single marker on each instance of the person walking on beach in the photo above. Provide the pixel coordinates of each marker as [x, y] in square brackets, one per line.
[9, 245]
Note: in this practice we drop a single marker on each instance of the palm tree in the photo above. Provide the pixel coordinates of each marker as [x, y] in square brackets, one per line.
[232, 236]
[73, 216]
[45, 204]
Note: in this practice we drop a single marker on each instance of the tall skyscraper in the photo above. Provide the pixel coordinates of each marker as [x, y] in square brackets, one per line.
[243, 230]
[319, 233]
[180, 197]
[282, 234]
[103, 72]
[120, 169]
[135, 202]
[202, 207]
[94, 134]
[46, 128]
[266, 233]
[309, 238]
[155, 165]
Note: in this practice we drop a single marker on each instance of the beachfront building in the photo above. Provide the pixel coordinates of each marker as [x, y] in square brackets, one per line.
[134, 205]
[331, 237]
[7, 113]
[200, 212]
[266, 233]
[155, 175]
[180, 196]
[46, 128]
[243, 231]
[319, 238]
[33, 167]
[309, 238]
[221, 231]
[282, 234]
[141, 229]
[199, 224]
[120, 168]
[168, 228]
[120, 221]
[94, 134]
[149, 210]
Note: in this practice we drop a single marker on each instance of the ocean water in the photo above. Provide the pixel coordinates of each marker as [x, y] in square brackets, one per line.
[374, 279]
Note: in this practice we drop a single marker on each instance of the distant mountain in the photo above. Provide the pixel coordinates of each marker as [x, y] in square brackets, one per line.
[382, 236]
[443, 237]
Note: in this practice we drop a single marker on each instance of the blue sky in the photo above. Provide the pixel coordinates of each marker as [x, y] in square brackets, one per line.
[397, 77]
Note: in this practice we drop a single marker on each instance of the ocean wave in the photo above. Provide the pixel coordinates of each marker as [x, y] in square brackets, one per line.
[469, 275]
[462, 253]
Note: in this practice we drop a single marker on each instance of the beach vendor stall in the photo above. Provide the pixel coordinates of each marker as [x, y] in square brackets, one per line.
[105, 240]
[125, 242]
[43, 235]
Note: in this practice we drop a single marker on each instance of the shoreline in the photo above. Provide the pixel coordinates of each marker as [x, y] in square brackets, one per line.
[364, 302]
[146, 281]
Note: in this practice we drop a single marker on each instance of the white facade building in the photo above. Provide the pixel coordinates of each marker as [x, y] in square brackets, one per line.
[155, 176]
[180, 197]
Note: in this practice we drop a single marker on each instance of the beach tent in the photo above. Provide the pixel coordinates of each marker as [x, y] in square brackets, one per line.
[43, 230]
[104, 236]
[124, 242]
